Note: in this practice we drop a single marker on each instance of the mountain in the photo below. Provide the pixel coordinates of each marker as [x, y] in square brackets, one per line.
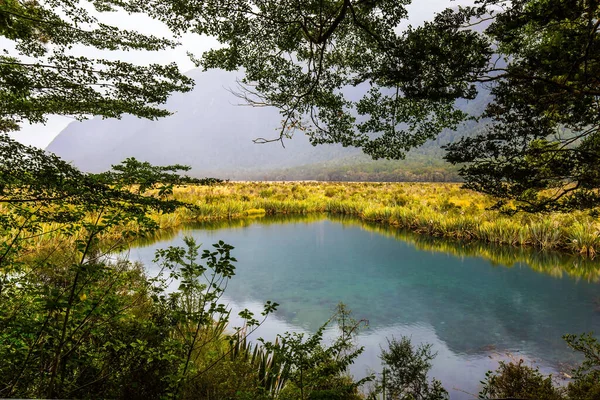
[208, 131]
[213, 134]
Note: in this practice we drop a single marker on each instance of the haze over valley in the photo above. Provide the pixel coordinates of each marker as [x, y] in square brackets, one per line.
[212, 131]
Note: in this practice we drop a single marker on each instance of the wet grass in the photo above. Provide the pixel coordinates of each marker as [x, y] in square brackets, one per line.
[441, 210]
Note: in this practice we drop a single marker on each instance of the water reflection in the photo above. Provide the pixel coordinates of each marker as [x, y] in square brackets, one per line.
[460, 297]
[549, 262]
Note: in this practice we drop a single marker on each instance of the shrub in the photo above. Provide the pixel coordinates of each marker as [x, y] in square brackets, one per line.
[586, 382]
[405, 372]
[516, 380]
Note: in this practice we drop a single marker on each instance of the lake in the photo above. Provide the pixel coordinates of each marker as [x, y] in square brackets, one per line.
[472, 310]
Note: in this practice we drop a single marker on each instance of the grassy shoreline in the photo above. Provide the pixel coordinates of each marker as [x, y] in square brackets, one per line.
[434, 209]
[553, 263]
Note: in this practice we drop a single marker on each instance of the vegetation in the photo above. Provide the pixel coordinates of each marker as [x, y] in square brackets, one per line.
[42, 74]
[440, 210]
[427, 168]
[405, 372]
[76, 324]
[341, 72]
[517, 380]
[542, 148]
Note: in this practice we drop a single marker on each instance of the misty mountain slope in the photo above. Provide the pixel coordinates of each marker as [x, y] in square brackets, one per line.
[213, 134]
[209, 131]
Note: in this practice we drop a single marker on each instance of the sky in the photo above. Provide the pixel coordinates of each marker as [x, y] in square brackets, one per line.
[40, 135]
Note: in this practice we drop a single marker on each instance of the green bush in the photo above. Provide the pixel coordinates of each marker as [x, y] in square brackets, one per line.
[516, 380]
[586, 378]
[405, 372]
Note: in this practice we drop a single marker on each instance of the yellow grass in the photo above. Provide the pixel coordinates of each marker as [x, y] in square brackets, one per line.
[434, 209]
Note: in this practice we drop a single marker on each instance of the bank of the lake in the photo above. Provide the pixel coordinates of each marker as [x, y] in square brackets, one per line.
[431, 209]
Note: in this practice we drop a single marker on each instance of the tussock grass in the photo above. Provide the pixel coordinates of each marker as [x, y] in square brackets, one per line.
[441, 210]
[434, 209]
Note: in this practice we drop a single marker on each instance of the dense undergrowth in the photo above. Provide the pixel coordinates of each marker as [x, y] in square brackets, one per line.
[80, 324]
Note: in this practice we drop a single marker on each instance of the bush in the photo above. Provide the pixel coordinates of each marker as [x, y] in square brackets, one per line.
[516, 380]
[405, 372]
[586, 378]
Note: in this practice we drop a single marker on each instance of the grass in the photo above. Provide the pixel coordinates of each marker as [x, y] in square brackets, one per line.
[439, 210]
[443, 210]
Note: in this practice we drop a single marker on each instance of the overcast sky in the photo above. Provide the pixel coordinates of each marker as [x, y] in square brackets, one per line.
[41, 135]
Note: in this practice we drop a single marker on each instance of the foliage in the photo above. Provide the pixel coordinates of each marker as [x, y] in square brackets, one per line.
[195, 309]
[150, 177]
[342, 72]
[42, 74]
[339, 71]
[438, 210]
[427, 168]
[516, 380]
[312, 370]
[542, 148]
[94, 328]
[79, 330]
[270, 368]
[37, 190]
[586, 383]
[405, 372]
[75, 324]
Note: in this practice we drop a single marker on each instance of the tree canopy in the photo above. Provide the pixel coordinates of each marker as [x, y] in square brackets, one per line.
[341, 71]
[543, 145]
[45, 73]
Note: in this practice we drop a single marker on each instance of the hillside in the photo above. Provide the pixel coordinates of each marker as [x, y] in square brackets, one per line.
[213, 134]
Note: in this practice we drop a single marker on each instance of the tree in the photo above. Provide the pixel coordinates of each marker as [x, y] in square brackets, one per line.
[340, 72]
[44, 75]
[405, 372]
[63, 299]
[315, 60]
[148, 177]
[542, 148]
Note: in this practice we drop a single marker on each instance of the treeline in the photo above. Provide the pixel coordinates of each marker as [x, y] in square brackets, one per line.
[358, 175]
[420, 170]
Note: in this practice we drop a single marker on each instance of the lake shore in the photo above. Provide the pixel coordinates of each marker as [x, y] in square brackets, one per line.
[433, 209]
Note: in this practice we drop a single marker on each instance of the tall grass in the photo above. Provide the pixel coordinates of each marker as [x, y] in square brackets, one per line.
[439, 210]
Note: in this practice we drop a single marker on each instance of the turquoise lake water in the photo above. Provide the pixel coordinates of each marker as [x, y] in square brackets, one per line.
[474, 313]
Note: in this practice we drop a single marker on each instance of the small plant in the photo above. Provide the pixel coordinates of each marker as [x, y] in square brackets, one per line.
[405, 371]
[517, 380]
[195, 308]
[315, 371]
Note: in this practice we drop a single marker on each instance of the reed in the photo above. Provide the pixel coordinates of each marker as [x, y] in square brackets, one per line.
[433, 209]
[442, 210]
